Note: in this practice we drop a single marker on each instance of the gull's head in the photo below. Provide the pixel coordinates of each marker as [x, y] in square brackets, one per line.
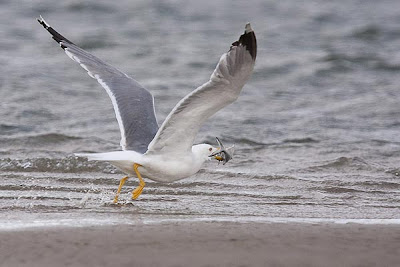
[208, 152]
[204, 151]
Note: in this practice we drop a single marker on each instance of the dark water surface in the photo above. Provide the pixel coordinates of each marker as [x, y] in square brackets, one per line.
[316, 129]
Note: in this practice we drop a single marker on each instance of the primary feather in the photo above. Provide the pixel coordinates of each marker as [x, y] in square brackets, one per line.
[133, 104]
[234, 68]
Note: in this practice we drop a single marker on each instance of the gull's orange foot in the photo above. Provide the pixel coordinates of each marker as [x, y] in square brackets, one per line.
[138, 190]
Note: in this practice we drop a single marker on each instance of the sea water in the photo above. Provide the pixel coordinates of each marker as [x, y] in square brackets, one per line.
[316, 129]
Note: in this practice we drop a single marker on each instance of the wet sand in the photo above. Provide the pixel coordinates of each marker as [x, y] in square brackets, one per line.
[204, 244]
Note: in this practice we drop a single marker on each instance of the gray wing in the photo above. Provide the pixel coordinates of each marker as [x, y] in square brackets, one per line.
[177, 133]
[133, 105]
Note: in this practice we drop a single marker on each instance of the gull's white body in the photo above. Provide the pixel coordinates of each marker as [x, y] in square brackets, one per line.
[157, 167]
[167, 153]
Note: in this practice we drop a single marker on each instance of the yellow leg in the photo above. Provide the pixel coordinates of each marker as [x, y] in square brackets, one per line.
[138, 190]
[121, 183]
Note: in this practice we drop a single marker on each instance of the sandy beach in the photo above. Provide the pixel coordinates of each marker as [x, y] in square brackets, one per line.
[204, 244]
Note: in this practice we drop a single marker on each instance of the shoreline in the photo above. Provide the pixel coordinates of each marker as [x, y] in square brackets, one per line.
[32, 221]
[204, 243]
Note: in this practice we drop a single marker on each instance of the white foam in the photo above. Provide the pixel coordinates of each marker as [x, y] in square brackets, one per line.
[16, 225]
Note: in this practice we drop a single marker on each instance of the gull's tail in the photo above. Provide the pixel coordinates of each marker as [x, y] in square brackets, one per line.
[123, 160]
[126, 155]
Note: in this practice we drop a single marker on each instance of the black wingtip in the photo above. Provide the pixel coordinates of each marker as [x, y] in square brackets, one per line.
[248, 40]
[56, 36]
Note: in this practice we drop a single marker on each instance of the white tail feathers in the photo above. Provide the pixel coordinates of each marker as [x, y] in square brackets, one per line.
[127, 155]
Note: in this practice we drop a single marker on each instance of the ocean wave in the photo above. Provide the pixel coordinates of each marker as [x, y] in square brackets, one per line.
[63, 165]
[384, 185]
[344, 163]
[375, 32]
[40, 138]
[269, 177]
[342, 61]
[52, 138]
[276, 70]
[367, 33]
[95, 42]
[228, 141]
[248, 141]
[339, 190]
[94, 7]
[395, 172]
[341, 58]
[301, 140]
[7, 129]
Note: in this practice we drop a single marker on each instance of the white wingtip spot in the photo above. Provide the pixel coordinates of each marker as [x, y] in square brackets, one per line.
[248, 28]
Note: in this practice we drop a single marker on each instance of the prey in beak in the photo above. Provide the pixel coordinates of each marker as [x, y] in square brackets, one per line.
[223, 154]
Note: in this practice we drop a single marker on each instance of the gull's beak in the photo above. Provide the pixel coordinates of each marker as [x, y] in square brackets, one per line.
[223, 154]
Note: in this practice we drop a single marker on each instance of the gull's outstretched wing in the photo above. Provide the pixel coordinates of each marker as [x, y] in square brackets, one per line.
[177, 133]
[133, 105]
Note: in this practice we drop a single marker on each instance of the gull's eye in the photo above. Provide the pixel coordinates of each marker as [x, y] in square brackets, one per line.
[210, 149]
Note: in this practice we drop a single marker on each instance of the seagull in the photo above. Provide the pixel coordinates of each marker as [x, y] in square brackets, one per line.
[165, 153]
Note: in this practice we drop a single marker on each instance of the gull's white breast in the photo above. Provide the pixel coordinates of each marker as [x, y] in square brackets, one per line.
[168, 169]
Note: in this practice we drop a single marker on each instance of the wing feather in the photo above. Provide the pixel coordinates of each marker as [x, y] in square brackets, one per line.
[177, 133]
[133, 104]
